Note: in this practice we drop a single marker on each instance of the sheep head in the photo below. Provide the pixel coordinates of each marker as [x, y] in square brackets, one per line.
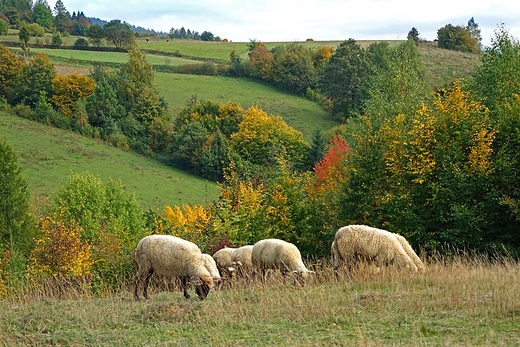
[202, 286]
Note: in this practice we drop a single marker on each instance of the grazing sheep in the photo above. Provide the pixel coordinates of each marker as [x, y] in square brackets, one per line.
[241, 258]
[224, 263]
[411, 253]
[354, 243]
[167, 255]
[211, 265]
[278, 254]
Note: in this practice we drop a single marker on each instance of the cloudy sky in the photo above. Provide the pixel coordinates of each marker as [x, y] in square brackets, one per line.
[291, 20]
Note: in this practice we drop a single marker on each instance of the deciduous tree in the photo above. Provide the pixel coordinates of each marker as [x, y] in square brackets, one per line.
[69, 89]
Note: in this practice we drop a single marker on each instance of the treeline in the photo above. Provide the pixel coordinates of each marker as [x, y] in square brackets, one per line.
[34, 20]
[439, 168]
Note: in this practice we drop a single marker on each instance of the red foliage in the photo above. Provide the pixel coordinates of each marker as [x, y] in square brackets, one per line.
[332, 160]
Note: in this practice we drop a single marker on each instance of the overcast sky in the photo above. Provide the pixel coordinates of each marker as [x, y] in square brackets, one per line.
[291, 20]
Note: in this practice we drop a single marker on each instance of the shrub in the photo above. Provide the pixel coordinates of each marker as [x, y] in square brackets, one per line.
[80, 43]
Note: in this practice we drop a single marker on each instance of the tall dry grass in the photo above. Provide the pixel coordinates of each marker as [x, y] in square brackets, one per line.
[461, 301]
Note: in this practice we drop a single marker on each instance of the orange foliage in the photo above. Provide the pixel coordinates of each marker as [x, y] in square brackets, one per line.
[330, 170]
[60, 251]
[69, 89]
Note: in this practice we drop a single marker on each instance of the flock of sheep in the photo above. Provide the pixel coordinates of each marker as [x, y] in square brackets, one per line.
[166, 255]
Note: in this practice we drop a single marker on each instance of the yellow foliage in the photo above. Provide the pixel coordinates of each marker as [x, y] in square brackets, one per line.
[60, 251]
[4, 262]
[69, 89]
[188, 222]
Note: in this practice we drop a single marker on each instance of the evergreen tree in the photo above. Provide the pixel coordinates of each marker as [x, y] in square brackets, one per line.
[15, 223]
[61, 16]
[474, 32]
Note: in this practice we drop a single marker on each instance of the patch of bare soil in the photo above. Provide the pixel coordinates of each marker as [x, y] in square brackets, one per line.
[69, 70]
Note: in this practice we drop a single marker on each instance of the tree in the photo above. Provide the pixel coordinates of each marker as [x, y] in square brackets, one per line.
[42, 15]
[396, 83]
[293, 68]
[497, 79]
[10, 70]
[137, 90]
[118, 33]
[207, 36]
[69, 89]
[474, 32]
[413, 34]
[4, 27]
[261, 61]
[456, 38]
[61, 16]
[263, 140]
[343, 77]
[35, 77]
[15, 222]
[95, 35]
[24, 36]
[56, 40]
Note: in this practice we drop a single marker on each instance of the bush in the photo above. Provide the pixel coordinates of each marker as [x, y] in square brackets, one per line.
[4, 28]
[80, 43]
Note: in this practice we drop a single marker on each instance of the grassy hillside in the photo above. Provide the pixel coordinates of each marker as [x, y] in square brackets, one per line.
[298, 112]
[48, 155]
[454, 303]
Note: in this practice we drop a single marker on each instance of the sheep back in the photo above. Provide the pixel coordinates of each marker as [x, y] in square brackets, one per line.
[361, 242]
[411, 253]
[277, 254]
[211, 266]
[242, 256]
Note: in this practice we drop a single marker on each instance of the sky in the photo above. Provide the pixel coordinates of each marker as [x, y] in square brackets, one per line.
[321, 20]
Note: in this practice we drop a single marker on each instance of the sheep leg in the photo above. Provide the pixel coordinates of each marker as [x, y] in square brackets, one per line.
[137, 280]
[184, 283]
[146, 282]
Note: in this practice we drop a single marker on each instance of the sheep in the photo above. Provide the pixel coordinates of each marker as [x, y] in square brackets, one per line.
[278, 254]
[167, 255]
[411, 253]
[355, 243]
[211, 265]
[241, 258]
[224, 263]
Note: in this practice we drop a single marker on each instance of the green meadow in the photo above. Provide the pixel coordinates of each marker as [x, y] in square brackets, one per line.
[48, 156]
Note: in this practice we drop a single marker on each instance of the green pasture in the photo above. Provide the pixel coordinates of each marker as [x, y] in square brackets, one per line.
[300, 113]
[49, 155]
[471, 304]
[74, 57]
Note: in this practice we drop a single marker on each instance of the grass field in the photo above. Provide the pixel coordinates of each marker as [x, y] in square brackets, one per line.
[460, 302]
[76, 57]
[300, 113]
[48, 156]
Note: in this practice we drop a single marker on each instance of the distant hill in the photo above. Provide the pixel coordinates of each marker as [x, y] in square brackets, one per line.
[136, 29]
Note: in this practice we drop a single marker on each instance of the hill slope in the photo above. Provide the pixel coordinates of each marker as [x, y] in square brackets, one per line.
[48, 156]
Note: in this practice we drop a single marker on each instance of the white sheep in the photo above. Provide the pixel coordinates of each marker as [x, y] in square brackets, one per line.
[167, 255]
[354, 243]
[224, 263]
[278, 254]
[411, 253]
[241, 258]
[211, 265]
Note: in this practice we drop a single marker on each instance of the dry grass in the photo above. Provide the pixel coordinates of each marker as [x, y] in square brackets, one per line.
[461, 302]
